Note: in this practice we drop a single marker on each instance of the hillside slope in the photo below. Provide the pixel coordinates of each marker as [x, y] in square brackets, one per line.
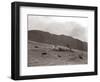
[46, 37]
[42, 54]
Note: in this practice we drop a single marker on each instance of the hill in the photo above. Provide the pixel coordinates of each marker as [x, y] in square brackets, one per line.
[63, 40]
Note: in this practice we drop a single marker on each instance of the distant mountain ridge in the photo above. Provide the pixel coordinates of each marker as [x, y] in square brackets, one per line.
[46, 37]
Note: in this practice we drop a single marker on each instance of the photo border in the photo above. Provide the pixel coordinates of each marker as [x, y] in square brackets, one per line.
[15, 40]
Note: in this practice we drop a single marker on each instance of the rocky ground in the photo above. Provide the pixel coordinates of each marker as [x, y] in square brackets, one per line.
[41, 54]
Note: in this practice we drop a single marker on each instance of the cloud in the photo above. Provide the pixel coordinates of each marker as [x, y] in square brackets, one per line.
[79, 32]
[49, 24]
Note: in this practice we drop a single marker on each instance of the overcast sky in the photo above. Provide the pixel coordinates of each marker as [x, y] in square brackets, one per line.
[70, 26]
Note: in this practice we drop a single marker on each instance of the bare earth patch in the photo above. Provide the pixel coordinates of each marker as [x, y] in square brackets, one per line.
[40, 54]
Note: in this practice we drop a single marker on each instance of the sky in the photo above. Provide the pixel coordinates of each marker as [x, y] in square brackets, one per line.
[75, 27]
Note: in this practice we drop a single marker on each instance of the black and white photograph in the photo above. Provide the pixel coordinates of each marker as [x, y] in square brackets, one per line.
[53, 40]
[57, 40]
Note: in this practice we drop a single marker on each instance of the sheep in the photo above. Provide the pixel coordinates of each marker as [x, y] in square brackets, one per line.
[62, 48]
[59, 48]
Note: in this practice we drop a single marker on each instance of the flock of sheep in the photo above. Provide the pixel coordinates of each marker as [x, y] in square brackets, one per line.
[59, 48]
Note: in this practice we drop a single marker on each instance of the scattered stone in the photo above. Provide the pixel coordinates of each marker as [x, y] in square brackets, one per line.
[80, 57]
[59, 56]
[44, 53]
[36, 46]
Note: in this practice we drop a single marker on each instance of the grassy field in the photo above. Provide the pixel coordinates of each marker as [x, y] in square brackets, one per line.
[40, 54]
